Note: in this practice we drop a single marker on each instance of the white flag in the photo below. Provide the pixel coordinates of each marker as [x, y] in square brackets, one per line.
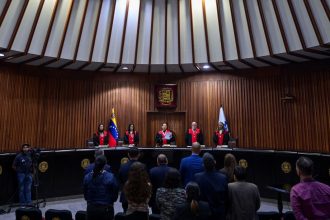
[222, 118]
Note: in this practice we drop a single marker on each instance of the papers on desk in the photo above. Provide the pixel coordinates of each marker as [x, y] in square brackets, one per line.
[222, 146]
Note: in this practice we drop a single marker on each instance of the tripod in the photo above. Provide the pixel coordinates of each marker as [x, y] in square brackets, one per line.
[36, 184]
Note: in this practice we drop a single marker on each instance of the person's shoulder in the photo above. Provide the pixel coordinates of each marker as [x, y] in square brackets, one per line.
[161, 191]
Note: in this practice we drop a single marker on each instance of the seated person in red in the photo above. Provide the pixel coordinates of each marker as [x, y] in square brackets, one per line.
[131, 136]
[194, 134]
[101, 137]
[165, 136]
[221, 136]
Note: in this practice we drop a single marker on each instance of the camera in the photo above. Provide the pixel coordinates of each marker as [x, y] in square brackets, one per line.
[35, 154]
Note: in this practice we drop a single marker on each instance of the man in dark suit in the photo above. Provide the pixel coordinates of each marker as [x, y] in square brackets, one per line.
[194, 134]
[133, 155]
[192, 164]
[157, 177]
[213, 186]
[90, 168]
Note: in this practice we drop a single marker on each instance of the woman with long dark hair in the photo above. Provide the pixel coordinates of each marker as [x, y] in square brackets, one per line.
[192, 209]
[100, 191]
[171, 195]
[137, 191]
[131, 136]
[229, 166]
[101, 136]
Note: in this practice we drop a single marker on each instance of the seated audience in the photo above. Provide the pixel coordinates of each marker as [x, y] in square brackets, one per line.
[101, 137]
[137, 191]
[310, 199]
[192, 209]
[192, 164]
[229, 166]
[91, 166]
[213, 186]
[100, 191]
[131, 136]
[171, 195]
[133, 155]
[243, 197]
[157, 177]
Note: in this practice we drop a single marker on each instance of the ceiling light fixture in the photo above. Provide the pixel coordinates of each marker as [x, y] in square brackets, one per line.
[2, 55]
[125, 68]
[206, 66]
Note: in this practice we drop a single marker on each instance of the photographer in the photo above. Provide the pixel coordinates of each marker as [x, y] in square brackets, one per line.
[23, 166]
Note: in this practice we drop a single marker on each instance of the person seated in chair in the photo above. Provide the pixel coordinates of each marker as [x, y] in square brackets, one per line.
[165, 136]
[194, 134]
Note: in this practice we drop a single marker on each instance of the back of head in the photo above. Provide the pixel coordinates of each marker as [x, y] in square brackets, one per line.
[172, 179]
[240, 173]
[196, 148]
[98, 152]
[305, 166]
[208, 161]
[162, 159]
[229, 161]
[133, 153]
[100, 162]
[137, 188]
[193, 192]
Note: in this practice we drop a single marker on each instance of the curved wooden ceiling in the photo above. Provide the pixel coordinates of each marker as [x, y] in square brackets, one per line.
[163, 35]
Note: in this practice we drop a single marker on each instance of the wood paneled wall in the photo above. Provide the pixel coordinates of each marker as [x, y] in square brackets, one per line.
[62, 109]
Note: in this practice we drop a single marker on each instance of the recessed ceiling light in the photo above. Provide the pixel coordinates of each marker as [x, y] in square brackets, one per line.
[125, 68]
[2, 55]
[206, 66]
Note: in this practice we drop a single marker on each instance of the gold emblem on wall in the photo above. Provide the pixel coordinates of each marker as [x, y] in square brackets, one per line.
[286, 167]
[165, 96]
[84, 163]
[43, 166]
[123, 160]
[24, 217]
[243, 163]
[1, 170]
[56, 218]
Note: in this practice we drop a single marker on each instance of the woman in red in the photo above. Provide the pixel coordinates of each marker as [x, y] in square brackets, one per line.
[101, 137]
[131, 136]
[221, 136]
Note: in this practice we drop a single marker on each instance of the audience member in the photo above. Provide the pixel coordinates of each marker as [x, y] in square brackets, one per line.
[310, 199]
[229, 166]
[244, 199]
[213, 186]
[171, 195]
[157, 177]
[192, 164]
[192, 209]
[137, 191]
[133, 155]
[100, 191]
[91, 166]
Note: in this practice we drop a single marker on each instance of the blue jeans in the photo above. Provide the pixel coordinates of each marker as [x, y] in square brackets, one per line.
[24, 187]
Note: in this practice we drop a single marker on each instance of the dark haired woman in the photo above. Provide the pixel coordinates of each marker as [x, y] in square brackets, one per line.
[100, 191]
[171, 195]
[221, 136]
[192, 209]
[131, 136]
[137, 191]
[101, 137]
[229, 166]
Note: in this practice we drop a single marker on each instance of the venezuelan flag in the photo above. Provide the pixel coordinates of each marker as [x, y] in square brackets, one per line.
[113, 130]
